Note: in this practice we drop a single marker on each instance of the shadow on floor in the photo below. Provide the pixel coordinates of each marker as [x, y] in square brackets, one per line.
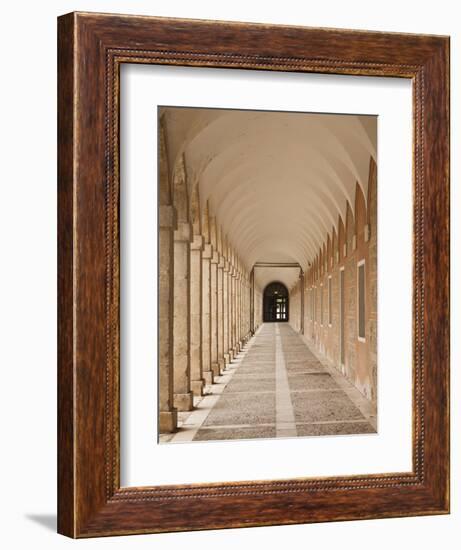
[48, 521]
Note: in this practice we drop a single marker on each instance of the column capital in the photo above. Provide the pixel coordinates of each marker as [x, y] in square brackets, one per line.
[215, 257]
[226, 266]
[207, 252]
[183, 232]
[167, 216]
[221, 262]
[197, 242]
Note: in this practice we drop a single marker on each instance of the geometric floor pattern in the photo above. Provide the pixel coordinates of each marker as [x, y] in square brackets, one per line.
[276, 388]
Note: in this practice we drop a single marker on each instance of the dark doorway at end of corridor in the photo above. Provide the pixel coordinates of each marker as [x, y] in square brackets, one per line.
[275, 303]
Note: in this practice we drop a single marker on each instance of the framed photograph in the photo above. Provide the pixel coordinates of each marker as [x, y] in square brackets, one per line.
[253, 321]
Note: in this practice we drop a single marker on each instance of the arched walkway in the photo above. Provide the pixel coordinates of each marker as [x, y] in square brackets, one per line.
[267, 272]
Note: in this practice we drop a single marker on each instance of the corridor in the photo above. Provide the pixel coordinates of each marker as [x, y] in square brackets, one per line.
[276, 387]
[267, 274]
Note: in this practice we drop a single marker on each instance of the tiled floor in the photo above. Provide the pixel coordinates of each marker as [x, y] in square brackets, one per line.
[277, 387]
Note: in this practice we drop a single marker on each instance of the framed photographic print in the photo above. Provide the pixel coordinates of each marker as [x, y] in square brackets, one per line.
[253, 275]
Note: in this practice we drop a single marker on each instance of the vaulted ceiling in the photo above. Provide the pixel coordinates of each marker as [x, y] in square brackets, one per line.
[277, 182]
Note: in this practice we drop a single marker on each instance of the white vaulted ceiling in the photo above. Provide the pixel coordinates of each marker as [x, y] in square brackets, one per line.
[277, 182]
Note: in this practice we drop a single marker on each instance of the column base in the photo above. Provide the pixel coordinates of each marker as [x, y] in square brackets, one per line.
[197, 387]
[222, 364]
[215, 369]
[184, 401]
[167, 421]
[208, 377]
[227, 359]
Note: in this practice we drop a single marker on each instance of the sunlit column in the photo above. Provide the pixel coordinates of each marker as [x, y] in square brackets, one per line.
[206, 312]
[301, 298]
[232, 310]
[214, 313]
[226, 311]
[229, 311]
[247, 307]
[242, 312]
[244, 309]
[220, 313]
[195, 318]
[239, 310]
[183, 399]
[236, 312]
[167, 412]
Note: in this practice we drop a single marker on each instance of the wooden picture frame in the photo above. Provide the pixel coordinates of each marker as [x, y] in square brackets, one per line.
[92, 47]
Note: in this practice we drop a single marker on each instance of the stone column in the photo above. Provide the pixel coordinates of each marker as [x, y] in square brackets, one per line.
[231, 311]
[235, 349]
[244, 311]
[301, 297]
[240, 310]
[167, 413]
[220, 295]
[206, 312]
[246, 308]
[226, 312]
[183, 399]
[195, 319]
[214, 313]
[252, 302]
[237, 311]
